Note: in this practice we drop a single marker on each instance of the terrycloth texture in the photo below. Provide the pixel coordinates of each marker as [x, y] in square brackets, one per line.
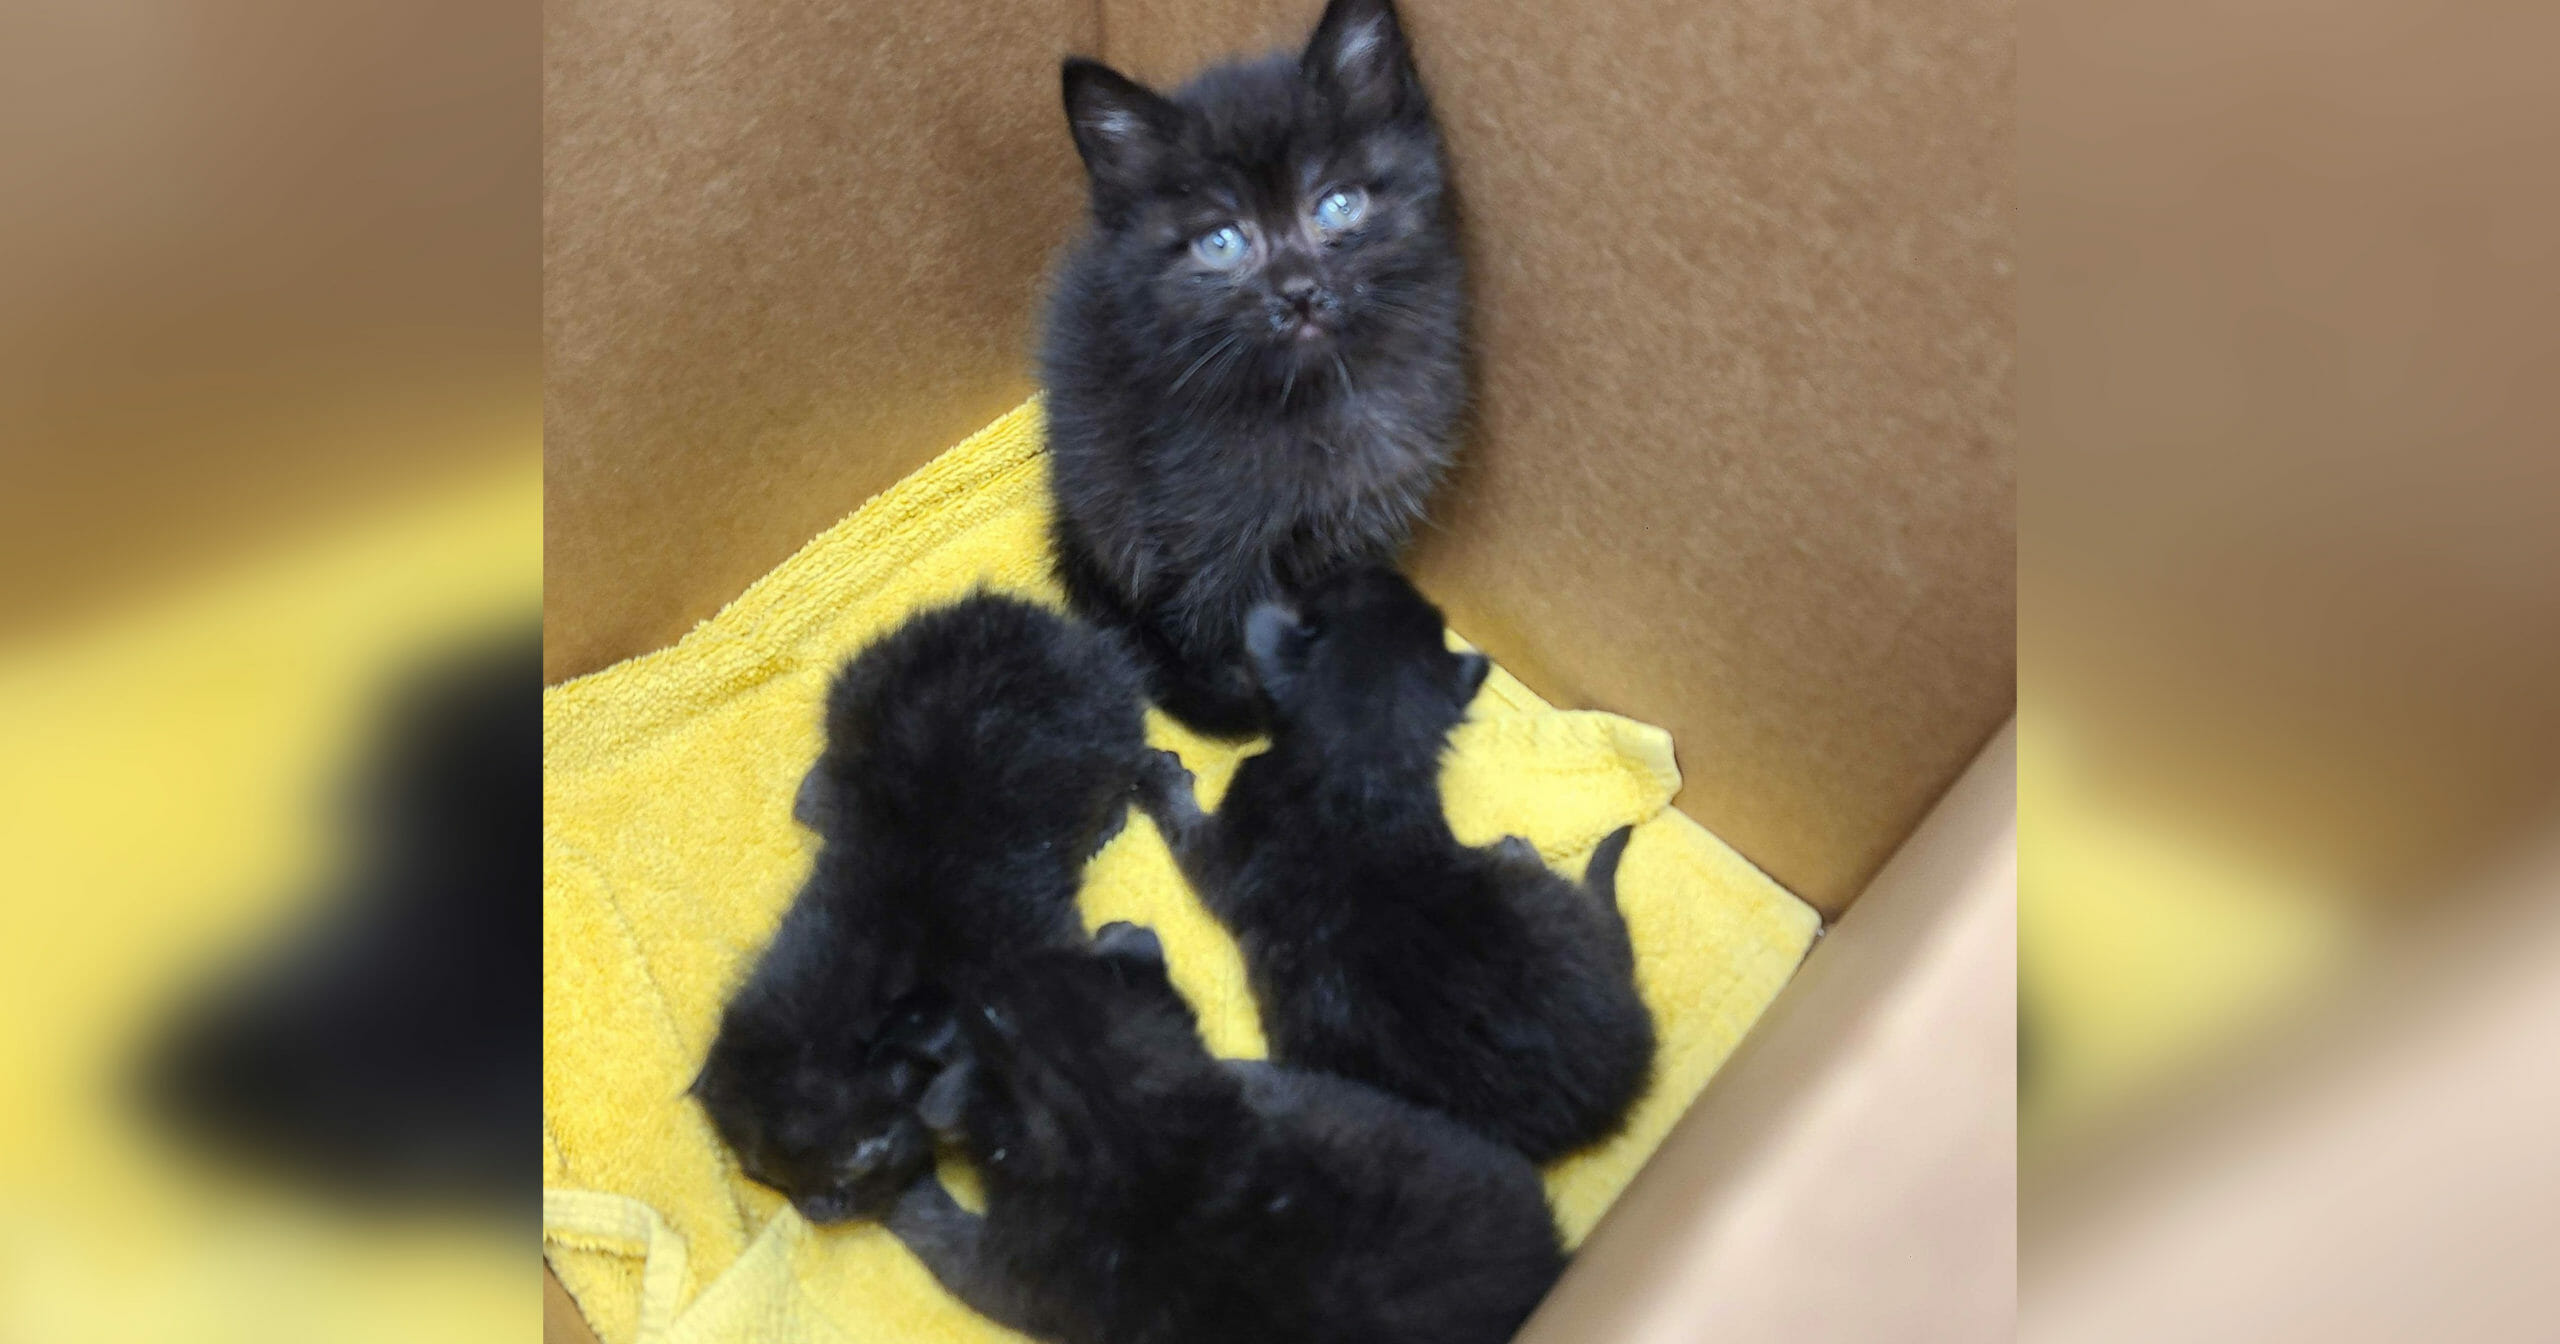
[670, 852]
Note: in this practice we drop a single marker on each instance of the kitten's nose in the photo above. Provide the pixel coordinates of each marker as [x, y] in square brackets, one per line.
[1303, 300]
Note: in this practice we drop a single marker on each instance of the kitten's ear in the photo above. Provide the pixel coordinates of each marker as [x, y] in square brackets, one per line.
[1275, 642]
[1359, 52]
[721, 1064]
[946, 1098]
[1473, 668]
[809, 805]
[1122, 127]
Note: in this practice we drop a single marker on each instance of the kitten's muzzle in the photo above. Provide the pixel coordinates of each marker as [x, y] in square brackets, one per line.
[869, 1180]
[1304, 308]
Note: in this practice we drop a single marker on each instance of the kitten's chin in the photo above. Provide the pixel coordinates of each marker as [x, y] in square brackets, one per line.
[1307, 345]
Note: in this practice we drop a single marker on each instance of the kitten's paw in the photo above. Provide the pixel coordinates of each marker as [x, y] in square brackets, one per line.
[1164, 781]
[1516, 849]
[1110, 830]
[925, 1212]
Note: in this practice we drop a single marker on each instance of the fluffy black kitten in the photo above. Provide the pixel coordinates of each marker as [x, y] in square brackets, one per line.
[975, 757]
[1253, 358]
[1473, 980]
[379, 1050]
[1140, 1192]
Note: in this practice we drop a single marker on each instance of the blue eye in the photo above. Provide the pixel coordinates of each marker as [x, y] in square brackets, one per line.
[1221, 248]
[1341, 208]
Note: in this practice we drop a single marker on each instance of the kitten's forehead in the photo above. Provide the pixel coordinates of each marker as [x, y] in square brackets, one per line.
[1245, 105]
[1260, 128]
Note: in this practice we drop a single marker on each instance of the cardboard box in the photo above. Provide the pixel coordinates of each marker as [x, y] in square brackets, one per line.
[1742, 466]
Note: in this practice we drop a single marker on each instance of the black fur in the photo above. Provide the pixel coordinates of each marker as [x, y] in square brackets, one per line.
[1140, 1192]
[1219, 437]
[380, 1048]
[974, 759]
[1473, 980]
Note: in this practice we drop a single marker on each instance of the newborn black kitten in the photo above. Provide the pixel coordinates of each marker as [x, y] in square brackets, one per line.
[1379, 948]
[975, 757]
[1253, 357]
[377, 1050]
[1140, 1192]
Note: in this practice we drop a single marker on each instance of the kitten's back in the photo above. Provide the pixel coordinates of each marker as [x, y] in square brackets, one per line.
[982, 719]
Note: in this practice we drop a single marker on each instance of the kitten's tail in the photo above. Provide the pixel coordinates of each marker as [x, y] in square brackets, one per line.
[1601, 877]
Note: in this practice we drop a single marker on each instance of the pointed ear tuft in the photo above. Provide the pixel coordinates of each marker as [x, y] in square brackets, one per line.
[1122, 128]
[1359, 52]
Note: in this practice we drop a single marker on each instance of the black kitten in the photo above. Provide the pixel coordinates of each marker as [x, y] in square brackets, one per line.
[380, 1050]
[975, 757]
[1140, 1192]
[1332, 863]
[1253, 357]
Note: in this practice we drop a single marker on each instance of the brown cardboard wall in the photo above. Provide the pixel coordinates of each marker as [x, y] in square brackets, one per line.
[1743, 462]
[789, 252]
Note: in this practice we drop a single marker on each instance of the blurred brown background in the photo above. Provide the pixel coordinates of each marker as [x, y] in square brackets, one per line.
[2289, 551]
[2290, 646]
[264, 264]
[1744, 277]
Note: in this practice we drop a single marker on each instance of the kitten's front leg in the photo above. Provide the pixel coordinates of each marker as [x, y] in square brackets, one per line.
[1170, 797]
[1166, 792]
[951, 1241]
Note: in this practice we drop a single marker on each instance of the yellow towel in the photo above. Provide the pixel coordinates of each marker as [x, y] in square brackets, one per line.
[669, 853]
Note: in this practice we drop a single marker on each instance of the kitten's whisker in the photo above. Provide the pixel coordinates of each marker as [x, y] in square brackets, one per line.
[1212, 353]
[1191, 339]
